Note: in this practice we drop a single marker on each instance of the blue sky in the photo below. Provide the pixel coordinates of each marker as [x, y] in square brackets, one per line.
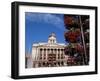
[38, 26]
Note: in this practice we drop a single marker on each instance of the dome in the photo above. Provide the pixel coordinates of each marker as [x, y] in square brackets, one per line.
[52, 38]
[52, 35]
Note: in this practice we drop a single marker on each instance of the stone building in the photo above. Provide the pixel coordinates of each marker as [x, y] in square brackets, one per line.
[49, 54]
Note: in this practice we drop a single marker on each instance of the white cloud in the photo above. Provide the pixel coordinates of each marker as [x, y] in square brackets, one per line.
[47, 18]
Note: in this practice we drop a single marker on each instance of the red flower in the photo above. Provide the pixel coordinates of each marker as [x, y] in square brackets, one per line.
[79, 48]
[72, 36]
[68, 20]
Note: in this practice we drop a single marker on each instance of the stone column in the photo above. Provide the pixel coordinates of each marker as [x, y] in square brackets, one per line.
[60, 56]
[46, 54]
[42, 53]
[57, 53]
[37, 59]
[50, 50]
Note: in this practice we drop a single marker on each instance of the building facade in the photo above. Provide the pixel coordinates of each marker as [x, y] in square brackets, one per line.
[50, 54]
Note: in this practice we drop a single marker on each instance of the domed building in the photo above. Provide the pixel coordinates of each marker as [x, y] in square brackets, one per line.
[49, 54]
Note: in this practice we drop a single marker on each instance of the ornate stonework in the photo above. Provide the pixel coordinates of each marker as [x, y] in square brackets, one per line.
[50, 54]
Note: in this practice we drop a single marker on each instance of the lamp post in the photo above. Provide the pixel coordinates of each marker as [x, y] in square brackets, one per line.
[83, 40]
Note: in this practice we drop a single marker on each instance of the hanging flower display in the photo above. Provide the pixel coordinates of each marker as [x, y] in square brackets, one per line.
[72, 36]
[79, 48]
[74, 48]
[70, 22]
